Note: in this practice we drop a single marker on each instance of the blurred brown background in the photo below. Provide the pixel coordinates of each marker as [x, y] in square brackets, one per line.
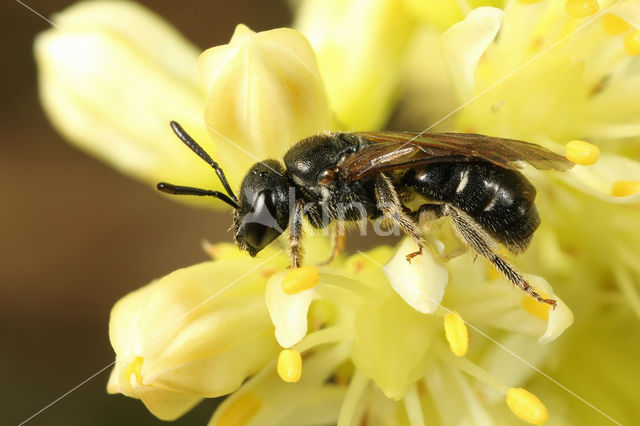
[76, 236]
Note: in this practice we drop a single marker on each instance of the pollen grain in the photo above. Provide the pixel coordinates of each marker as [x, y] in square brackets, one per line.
[614, 25]
[583, 153]
[300, 279]
[581, 8]
[527, 406]
[456, 333]
[289, 365]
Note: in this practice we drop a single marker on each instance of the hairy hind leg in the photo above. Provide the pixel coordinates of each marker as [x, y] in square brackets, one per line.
[295, 234]
[392, 209]
[476, 238]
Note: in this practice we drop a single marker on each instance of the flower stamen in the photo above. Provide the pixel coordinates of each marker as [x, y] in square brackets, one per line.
[632, 43]
[535, 308]
[581, 8]
[290, 365]
[583, 153]
[614, 25]
[135, 368]
[300, 279]
[456, 333]
[240, 411]
[527, 406]
[624, 188]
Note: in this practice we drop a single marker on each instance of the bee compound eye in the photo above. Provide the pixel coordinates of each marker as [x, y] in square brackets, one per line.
[260, 226]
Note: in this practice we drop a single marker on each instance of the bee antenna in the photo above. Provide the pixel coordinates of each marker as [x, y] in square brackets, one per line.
[188, 190]
[193, 145]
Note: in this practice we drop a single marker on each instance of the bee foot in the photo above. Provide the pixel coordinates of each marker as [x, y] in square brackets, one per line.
[414, 254]
[551, 302]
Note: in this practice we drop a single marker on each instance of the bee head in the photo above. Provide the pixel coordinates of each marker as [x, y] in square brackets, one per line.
[263, 208]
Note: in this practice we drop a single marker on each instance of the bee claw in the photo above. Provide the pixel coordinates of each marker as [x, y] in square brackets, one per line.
[414, 254]
[551, 302]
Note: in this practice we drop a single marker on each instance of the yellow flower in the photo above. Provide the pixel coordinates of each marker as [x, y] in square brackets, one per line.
[197, 333]
[371, 337]
[264, 92]
[109, 89]
[360, 47]
[559, 79]
[201, 331]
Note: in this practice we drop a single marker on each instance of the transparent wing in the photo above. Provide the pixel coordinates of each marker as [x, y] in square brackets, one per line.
[397, 150]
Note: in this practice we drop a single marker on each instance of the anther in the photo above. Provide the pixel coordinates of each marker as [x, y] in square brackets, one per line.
[581, 8]
[456, 333]
[535, 308]
[581, 152]
[624, 188]
[290, 365]
[632, 43]
[614, 25]
[135, 368]
[527, 406]
[300, 279]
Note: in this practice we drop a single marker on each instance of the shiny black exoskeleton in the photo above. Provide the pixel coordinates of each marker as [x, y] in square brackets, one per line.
[500, 200]
[395, 175]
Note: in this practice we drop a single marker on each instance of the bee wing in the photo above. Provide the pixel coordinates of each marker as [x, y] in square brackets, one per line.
[397, 150]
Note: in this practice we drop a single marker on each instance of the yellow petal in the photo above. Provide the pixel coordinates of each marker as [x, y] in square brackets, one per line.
[240, 411]
[202, 322]
[610, 179]
[391, 343]
[559, 318]
[109, 89]
[266, 399]
[420, 283]
[162, 403]
[288, 311]
[442, 13]
[464, 43]
[264, 93]
[360, 47]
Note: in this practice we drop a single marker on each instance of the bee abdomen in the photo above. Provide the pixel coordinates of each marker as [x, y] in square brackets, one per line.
[500, 200]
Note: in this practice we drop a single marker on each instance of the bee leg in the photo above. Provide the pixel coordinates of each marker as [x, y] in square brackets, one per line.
[425, 216]
[476, 238]
[392, 209]
[336, 231]
[295, 234]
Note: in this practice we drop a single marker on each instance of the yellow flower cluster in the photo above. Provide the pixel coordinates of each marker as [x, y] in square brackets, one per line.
[371, 337]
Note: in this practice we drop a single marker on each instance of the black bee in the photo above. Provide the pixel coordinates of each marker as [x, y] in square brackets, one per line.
[401, 176]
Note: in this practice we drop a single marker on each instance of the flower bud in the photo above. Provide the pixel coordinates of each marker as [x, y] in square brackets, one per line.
[112, 77]
[361, 48]
[198, 332]
[264, 93]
